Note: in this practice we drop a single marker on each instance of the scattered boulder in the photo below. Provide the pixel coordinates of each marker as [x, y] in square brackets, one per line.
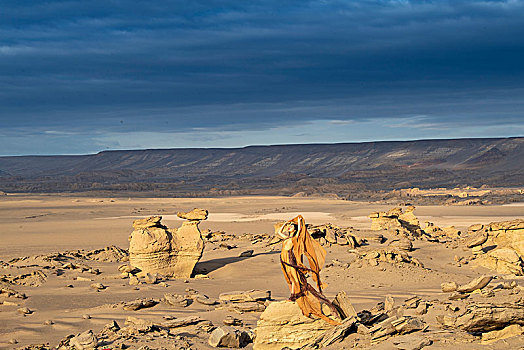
[232, 321]
[335, 334]
[283, 325]
[248, 306]
[344, 306]
[486, 317]
[204, 299]
[108, 254]
[402, 244]
[374, 257]
[228, 337]
[84, 341]
[448, 287]
[151, 278]
[502, 260]
[395, 324]
[397, 221]
[176, 300]
[24, 311]
[476, 239]
[507, 237]
[246, 253]
[139, 304]
[8, 292]
[477, 283]
[154, 248]
[33, 279]
[508, 332]
[98, 286]
[181, 322]
[331, 234]
[247, 296]
[411, 342]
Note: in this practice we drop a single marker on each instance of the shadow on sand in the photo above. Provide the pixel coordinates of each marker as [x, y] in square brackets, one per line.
[205, 267]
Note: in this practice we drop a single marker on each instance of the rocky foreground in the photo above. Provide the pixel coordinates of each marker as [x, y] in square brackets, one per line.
[147, 297]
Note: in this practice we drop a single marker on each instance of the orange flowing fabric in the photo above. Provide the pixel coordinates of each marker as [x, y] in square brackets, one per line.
[295, 246]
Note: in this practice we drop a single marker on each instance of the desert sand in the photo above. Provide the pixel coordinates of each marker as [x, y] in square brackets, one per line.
[43, 224]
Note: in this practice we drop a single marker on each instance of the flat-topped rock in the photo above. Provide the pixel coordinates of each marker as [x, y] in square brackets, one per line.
[195, 214]
[152, 221]
[282, 324]
[247, 296]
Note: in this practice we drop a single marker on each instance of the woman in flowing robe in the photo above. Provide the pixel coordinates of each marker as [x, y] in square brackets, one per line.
[297, 242]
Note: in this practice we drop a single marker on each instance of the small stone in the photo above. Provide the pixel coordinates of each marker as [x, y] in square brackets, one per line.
[250, 295]
[86, 316]
[24, 311]
[133, 281]
[176, 300]
[448, 287]
[48, 322]
[344, 306]
[84, 341]
[246, 253]
[232, 321]
[457, 296]
[477, 283]
[508, 332]
[402, 244]
[389, 303]
[139, 304]
[228, 337]
[151, 278]
[181, 322]
[13, 341]
[98, 286]
[422, 308]
[204, 299]
[476, 239]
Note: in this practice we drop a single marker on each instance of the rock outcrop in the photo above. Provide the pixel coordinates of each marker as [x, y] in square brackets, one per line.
[397, 221]
[154, 248]
[498, 246]
[327, 234]
[486, 317]
[283, 325]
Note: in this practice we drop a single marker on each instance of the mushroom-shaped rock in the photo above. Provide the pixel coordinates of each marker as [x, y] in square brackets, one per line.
[154, 248]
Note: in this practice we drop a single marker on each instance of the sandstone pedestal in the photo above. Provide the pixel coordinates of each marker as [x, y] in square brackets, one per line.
[154, 248]
[282, 324]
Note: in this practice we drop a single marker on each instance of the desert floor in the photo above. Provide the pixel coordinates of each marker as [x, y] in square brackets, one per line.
[43, 224]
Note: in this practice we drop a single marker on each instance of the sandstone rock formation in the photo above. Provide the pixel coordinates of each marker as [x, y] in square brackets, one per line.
[282, 324]
[194, 215]
[397, 221]
[486, 317]
[391, 256]
[154, 248]
[508, 332]
[507, 239]
[327, 234]
[228, 337]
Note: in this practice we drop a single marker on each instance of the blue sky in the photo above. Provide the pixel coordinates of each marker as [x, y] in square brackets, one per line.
[85, 76]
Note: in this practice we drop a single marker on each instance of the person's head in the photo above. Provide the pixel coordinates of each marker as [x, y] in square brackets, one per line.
[289, 229]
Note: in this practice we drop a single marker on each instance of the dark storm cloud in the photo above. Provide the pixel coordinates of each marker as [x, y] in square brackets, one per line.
[90, 67]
